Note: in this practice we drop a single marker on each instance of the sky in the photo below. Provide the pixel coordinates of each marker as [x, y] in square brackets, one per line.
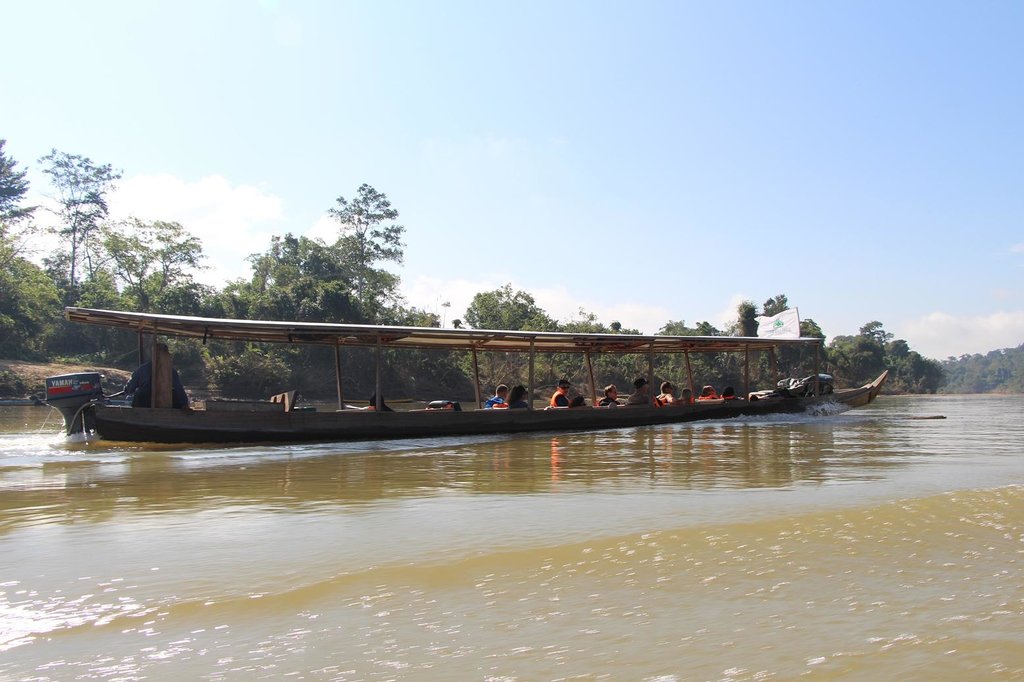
[645, 162]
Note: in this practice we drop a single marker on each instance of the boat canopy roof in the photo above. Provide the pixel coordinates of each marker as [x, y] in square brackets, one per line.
[326, 333]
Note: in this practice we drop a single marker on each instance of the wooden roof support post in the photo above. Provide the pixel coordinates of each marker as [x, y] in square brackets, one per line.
[590, 373]
[774, 364]
[161, 377]
[689, 372]
[650, 370]
[476, 380]
[746, 372]
[817, 368]
[377, 394]
[533, 353]
[337, 375]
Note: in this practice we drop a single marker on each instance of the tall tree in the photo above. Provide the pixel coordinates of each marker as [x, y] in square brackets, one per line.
[82, 188]
[13, 187]
[297, 278]
[746, 322]
[775, 305]
[369, 238]
[507, 309]
[150, 258]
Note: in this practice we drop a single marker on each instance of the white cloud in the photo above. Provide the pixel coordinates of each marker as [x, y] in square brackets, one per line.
[325, 229]
[940, 335]
[430, 293]
[233, 221]
[1017, 248]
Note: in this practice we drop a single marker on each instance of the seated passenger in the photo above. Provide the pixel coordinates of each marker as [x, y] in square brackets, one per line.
[560, 398]
[454, 405]
[517, 398]
[728, 393]
[578, 401]
[498, 399]
[708, 393]
[667, 395]
[642, 394]
[685, 398]
[611, 397]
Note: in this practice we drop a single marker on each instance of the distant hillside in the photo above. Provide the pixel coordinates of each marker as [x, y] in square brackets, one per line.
[1001, 371]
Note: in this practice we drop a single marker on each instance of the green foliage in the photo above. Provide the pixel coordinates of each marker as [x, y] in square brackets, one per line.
[29, 304]
[1000, 371]
[506, 309]
[859, 359]
[13, 188]
[775, 305]
[297, 278]
[252, 372]
[151, 259]
[746, 324]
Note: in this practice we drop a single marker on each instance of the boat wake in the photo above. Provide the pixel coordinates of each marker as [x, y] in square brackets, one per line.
[826, 409]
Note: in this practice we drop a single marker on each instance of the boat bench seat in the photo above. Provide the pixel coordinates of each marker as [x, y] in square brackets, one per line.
[287, 399]
[228, 405]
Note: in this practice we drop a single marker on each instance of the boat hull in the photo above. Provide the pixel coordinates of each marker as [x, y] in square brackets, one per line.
[202, 426]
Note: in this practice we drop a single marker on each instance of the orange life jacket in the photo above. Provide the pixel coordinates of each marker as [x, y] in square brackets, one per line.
[555, 399]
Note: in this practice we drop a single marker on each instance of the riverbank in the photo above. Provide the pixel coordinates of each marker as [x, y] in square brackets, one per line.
[21, 379]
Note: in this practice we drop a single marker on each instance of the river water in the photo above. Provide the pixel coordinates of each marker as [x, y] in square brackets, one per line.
[871, 544]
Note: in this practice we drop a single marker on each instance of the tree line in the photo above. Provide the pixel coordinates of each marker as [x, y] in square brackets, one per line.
[999, 371]
[150, 265]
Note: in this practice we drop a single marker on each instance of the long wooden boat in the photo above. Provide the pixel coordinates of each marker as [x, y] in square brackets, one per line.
[260, 421]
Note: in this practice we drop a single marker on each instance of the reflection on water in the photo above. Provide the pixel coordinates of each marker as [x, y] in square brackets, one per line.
[868, 544]
[73, 483]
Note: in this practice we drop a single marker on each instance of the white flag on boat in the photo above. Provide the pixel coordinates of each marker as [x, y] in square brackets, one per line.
[785, 325]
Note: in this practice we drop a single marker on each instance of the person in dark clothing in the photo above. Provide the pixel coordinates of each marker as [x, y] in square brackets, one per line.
[373, 404]
[611, 396]
[140, 386]
[517, 398]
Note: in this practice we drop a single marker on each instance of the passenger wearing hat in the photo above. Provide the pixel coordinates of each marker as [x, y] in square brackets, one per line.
[560, 398]
[642, 394]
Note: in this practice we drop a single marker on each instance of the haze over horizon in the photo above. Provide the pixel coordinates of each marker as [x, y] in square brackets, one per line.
[646, 163]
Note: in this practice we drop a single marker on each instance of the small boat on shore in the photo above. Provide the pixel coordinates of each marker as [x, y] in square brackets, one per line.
[86, 410]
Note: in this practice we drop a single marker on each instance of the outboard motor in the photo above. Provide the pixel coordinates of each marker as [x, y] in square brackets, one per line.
[805, 387]
[70, 393]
